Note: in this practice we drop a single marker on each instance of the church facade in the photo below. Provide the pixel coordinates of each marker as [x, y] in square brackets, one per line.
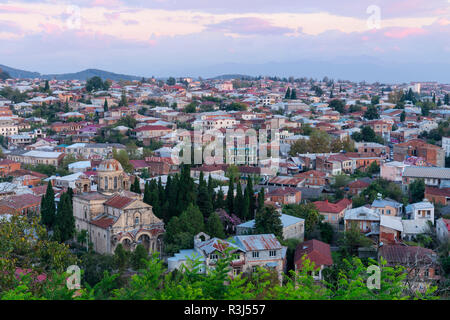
[114, 215]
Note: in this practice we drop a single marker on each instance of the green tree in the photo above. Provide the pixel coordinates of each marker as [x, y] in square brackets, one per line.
[417, 190]
[402, 116]
[214, 226]
[48, 208]
[352, 239]
[136, 188]
[121, 258]
[268, 220]
[64, 222]
[230, 197]
[204, 198]
[306, 211]
[337, 105]
[105, 106]
[239, 201]
[138, 257]
[371, 113]
[122, 157]
[288, 93]
[293, 94]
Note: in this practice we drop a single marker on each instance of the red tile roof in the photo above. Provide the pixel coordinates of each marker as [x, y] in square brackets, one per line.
[358, 184]
[118, 202]
[444, 192]
[316, 251]
[103, 222]
[325, 206]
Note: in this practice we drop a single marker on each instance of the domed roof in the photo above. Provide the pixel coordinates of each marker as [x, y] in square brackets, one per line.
[110, 165]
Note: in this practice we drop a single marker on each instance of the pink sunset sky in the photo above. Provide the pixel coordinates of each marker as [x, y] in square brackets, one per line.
[207, 37]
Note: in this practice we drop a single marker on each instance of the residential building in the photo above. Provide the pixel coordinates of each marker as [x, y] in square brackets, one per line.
[293, 227]
[316, 252]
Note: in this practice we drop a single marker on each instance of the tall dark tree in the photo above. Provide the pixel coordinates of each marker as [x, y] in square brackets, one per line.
[268, 220]
[251, 195]
[447, 99]
[293, 94]
[239, 201]
[219, 202]
[288, 93]
[105, 105]
[138, 257]
[203, 198]
[48, 208]
[246, 215]
[64, 222]
[146, 193]
[261, 197]
[402, 116]
[136, 188]
[230, 197]
[417, 190]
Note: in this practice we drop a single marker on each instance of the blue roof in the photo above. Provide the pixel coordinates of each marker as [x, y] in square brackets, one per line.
[286, 220]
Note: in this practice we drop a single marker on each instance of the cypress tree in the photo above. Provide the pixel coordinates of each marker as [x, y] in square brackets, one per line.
[65, 221]
[251, 195]
[246, 215]
[219, 202]
[105, 105]
[288, 93]
[230, 197]
[146, 193]
[203, 199]
[239, 201]
[48, 208]
[136, 186]
[261, 199]
[293, 94]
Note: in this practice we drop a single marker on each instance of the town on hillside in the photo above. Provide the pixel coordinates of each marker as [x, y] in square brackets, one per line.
[287, 176]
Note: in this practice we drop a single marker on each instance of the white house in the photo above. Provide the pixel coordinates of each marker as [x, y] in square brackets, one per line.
[421, 210]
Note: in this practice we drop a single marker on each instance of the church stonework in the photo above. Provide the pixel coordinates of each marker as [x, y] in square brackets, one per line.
[114, 215]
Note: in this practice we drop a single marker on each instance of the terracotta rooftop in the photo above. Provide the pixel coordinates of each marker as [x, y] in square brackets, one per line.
[119, 202]
[316, 251]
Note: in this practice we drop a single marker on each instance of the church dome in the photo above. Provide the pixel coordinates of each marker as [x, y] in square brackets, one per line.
[110, 165]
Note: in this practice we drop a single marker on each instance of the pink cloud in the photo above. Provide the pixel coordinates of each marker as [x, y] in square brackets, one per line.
[404, 32]
[106, 3]
[14, 9]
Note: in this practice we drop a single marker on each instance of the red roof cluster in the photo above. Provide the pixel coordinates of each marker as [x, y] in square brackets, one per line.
[325, 206]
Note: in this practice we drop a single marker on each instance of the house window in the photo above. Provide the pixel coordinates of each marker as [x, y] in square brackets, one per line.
[236, 256]
[272, 253]
[213, 256]
[255, 254]
[426, 273]
[236, 271]
[254, 269]
[136, 220]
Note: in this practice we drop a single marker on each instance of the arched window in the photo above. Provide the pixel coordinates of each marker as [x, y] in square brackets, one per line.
[115, 183]
[106, 182]
[136, 220]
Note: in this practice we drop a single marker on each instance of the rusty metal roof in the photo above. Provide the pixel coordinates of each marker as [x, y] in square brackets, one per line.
[257, 242]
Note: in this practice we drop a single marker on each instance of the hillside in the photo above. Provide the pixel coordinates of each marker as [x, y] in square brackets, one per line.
[82, 75]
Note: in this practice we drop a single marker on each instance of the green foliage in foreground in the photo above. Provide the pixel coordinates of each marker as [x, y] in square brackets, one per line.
[154, 282]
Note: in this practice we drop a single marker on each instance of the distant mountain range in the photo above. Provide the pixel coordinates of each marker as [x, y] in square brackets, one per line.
[82, 75]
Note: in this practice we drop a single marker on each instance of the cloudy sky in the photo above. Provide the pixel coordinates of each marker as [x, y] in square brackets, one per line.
[383, 40]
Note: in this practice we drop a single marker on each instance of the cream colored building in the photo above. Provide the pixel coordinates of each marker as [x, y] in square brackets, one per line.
[115, 215]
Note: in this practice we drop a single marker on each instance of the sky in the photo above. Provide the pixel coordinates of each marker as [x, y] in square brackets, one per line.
[386, 40]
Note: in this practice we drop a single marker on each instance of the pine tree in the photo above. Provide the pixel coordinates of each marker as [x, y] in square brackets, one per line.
[70, 193]
[48, 208]
[288, 93]
[230, 197]
[65, 221]
[47, 86]
[402, 116]
[105, 105]
[214, 226]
